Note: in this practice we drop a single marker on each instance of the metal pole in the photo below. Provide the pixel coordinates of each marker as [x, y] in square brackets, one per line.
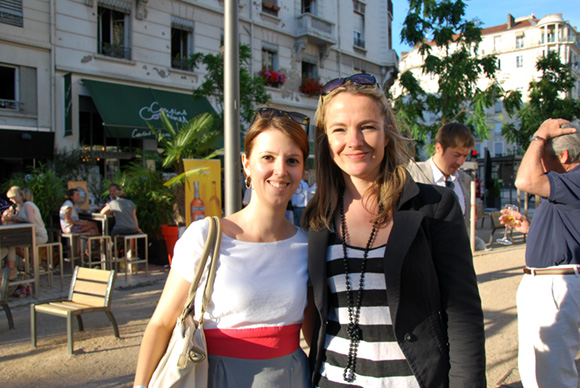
[232, 162]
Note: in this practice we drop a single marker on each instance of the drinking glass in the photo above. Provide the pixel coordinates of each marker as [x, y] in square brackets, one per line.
[509, 221]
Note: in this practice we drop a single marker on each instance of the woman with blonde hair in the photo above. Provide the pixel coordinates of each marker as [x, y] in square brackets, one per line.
[389, 259]
[27, 212]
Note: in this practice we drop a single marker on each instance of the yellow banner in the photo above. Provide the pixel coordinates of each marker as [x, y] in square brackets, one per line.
[203, 191]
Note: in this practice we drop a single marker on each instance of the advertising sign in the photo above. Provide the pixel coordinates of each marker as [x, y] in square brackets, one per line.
[203, 190]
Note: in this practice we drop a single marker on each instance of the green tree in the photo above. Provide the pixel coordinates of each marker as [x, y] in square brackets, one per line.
[252, 90]
[47, 187]
[456, 63]
[549, 98]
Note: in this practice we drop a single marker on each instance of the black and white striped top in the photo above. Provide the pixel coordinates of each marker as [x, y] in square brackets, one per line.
[380, 361]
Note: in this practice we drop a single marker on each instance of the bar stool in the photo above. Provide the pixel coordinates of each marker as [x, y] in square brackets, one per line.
[104, 250]
[49, 248]
[131, 252]
[73, 244]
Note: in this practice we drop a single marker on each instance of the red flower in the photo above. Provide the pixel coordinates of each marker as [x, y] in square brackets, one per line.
[272, 77]
[310, 86]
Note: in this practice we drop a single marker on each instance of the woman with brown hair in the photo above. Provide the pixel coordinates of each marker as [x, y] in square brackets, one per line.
[389, 259]
[252, 323]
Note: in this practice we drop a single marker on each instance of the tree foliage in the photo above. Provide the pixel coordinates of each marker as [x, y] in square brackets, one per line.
[47, 187]
[252, 90]
[549, 98]
[449, 45]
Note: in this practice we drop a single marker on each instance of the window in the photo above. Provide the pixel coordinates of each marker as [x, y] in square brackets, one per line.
[270, 7]
[497, 43]
[181, 43]
[519, 61]
[520, 41]
[114, 31]
[497, 107]
[309, 70]
[308, 6]
[359, 24]
[497, 128]
[269, 58]
[9, 88]
[498, 148]
[11, 12]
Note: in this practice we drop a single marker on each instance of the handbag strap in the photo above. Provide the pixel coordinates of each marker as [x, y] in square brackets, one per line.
[212, 243]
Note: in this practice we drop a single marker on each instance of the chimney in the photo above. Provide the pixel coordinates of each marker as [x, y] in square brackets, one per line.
[511, 21]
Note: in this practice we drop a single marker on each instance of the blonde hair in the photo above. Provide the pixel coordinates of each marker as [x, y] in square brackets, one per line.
[14, 191]
[27, 195]
[389, 183]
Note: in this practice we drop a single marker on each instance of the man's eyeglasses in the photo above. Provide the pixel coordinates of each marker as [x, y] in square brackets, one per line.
[268, 113]
[359, 79]
[449, 184]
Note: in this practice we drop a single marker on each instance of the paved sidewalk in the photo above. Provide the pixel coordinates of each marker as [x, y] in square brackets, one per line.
[100, 360]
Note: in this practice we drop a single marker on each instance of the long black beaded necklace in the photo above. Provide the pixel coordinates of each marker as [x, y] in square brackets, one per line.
[353, 330]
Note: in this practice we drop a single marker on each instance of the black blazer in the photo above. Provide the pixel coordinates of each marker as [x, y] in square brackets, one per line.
[431, 287]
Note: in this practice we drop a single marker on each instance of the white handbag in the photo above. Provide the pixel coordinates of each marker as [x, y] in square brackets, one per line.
[184, 363]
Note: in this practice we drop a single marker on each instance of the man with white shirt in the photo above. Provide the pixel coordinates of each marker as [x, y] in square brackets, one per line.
[454, 142]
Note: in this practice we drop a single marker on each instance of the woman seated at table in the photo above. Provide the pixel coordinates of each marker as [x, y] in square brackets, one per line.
[125, 213]
[26, 212]
[69, 218]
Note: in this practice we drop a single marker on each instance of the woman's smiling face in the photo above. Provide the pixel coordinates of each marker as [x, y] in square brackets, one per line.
[356, 136]
[275, 166]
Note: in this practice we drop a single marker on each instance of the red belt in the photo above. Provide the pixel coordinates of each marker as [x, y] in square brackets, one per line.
[254, 344]
[550, 271]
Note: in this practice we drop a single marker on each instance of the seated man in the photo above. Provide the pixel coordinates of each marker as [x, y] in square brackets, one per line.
[125, 213]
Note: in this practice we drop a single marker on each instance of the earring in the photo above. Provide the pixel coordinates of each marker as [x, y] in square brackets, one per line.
[248, 182]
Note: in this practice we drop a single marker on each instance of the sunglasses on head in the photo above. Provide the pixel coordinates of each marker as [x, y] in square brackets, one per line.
[359, 79]
[268, 113]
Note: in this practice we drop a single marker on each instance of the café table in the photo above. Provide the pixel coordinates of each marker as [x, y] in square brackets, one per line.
[104, 219]
[22, 235]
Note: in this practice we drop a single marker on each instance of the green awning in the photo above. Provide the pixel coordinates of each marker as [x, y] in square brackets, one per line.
[125, 110]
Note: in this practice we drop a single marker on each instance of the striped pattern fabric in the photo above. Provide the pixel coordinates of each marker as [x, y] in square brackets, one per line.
[380, 361]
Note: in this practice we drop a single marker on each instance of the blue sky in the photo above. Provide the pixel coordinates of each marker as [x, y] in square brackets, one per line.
[494, 12]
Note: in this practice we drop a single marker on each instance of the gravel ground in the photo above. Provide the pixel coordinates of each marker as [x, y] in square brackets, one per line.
[99, 360]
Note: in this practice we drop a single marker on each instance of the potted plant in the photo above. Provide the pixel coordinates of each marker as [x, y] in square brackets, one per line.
[310, 86]
[154, 201]
[193, 140]
[272, 77]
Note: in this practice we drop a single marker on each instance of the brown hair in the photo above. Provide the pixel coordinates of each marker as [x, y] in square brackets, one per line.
[329, 179]
[283, 124]
[69, 194]
[455, 135]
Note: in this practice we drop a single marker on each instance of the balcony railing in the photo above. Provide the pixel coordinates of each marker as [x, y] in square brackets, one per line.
[318, 30]
[114, 50]
[10, 104]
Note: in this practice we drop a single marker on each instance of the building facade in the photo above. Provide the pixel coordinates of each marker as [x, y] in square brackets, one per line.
[517, 44]
[89, 74]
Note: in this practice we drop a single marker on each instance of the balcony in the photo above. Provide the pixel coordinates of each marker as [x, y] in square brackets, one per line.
[318, 31]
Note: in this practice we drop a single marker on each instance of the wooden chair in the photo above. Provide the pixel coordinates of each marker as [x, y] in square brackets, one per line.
[4, 298]
[495, 225]
[90, 291]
